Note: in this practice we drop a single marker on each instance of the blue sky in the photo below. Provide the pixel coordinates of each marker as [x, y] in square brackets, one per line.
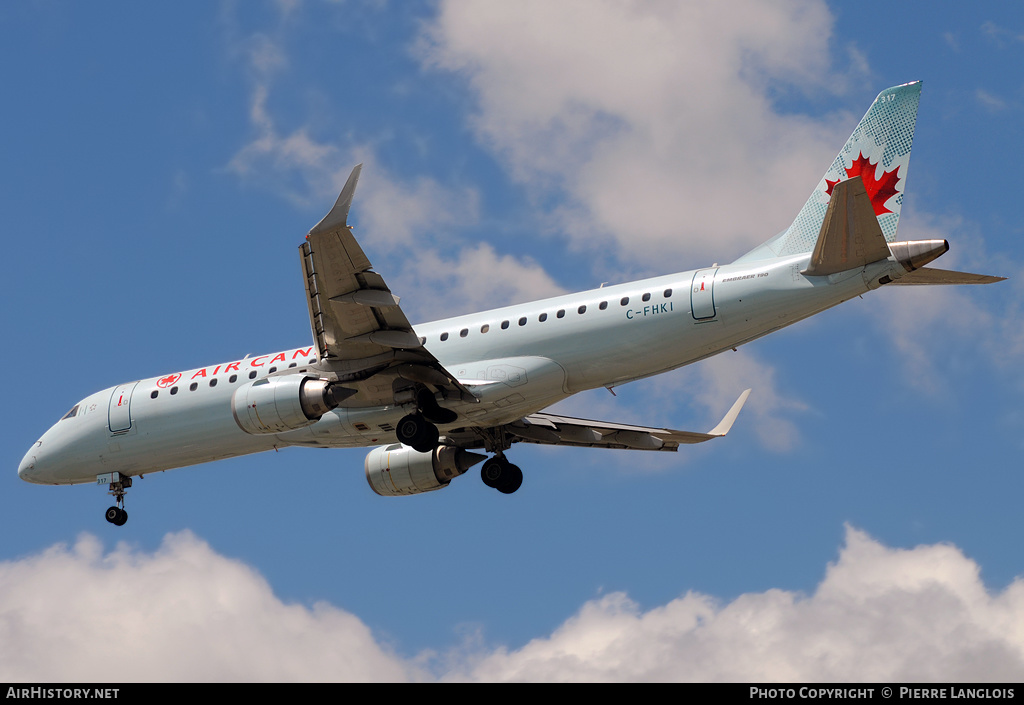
[161, 166]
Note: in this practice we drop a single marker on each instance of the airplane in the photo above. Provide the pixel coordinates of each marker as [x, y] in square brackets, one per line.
[430, 396]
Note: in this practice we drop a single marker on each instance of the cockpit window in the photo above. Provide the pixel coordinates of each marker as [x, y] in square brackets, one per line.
[73, 412]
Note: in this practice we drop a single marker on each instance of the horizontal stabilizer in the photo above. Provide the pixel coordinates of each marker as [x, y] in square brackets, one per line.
[850, 236]
[927, 275]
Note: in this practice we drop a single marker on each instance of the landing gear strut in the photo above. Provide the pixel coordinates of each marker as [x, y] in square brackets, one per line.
[116, 515]
[502, 475]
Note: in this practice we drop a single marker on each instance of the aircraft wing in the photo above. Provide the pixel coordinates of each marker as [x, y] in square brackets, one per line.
[362, 335]
[553, 429]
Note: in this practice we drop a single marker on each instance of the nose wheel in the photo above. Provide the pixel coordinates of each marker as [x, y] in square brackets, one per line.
[119, 484]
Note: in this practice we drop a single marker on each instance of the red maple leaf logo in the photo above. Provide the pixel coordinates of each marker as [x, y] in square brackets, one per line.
[879, 190]
[168, 380]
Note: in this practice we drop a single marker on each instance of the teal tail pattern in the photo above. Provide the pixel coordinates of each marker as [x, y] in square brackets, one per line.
[879, 152]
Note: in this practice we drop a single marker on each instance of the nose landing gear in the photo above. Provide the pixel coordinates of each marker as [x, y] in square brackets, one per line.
[116, 515]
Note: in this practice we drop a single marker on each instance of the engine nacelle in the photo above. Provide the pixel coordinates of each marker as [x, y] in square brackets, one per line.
[279, 404]
[396, 470]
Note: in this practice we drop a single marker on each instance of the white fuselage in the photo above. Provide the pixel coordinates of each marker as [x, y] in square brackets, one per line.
[518, 360]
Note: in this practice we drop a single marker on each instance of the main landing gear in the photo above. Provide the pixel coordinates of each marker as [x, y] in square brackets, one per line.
[116, 515]
[417, 429]
[414, 430]
[502, 475]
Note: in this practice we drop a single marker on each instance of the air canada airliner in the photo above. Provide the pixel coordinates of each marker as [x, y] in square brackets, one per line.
[437, 398]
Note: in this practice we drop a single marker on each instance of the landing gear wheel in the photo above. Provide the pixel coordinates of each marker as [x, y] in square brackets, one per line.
[415, 431]
[512, 479]
[493, 471]
[501, 475]
[116, 516]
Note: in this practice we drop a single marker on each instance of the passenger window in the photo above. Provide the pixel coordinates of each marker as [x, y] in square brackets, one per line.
[561, 313]
[252, 375]
[174, 390]
[543, 317]
[272, 370]
[668, 293]
[603, 306]
[193, 387]
[294, 364]
[504, 325]
[154, 394]
[581, 309]
[444, 336]
[464, 332]
[624, 301]
[647, 297]
[213, 382]
[231, 379]
[485, 327]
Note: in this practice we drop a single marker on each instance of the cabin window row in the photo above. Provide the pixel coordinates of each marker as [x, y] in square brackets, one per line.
[213, 382]
[624, 301]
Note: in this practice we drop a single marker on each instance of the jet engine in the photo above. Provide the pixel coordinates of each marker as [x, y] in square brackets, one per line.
[279, 404]
[396, 469]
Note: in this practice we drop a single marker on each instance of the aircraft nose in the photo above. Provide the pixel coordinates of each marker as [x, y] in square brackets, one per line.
[27, 467]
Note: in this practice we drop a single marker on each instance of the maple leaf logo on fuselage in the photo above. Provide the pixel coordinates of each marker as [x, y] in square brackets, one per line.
[879, 190]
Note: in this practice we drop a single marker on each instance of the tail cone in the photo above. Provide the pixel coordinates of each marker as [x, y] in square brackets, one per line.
[914, 254]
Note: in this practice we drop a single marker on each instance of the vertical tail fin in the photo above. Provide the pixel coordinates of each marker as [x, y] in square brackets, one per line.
[878, 151]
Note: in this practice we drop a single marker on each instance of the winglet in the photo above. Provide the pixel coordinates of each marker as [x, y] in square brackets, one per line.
[723, 428]
[338, 217]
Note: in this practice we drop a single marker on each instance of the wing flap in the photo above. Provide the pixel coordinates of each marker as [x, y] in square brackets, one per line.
[553, 429]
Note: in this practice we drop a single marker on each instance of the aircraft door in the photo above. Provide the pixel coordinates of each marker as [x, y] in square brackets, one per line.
[702, 300]
[119, 413]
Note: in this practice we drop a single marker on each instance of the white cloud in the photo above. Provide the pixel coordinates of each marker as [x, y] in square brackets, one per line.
[413, 221]
[408, 214]
[879, 615]
[475, 279]
[186, 613]
[655, 119]
[724, 376]
[183, 613]
[989, 101]
[925, 323]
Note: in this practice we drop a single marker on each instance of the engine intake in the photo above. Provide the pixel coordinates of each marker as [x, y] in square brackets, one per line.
[395, 470]
[279, 404]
